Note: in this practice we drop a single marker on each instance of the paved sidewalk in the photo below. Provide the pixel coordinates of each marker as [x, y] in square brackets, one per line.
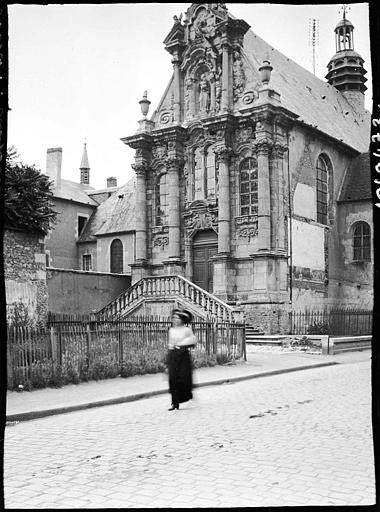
[45, 402]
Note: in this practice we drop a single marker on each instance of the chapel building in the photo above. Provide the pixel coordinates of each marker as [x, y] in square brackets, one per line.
[252, 179]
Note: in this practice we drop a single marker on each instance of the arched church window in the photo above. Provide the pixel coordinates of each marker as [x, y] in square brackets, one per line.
[210, 173]
[323, 171]
[248, 187]
[162, 201]
[116, 256]
[362, 242]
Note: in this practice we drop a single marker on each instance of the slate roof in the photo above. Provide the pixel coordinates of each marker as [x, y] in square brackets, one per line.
[317, 103]
[357, 180]
[115, 215]
[70, 190]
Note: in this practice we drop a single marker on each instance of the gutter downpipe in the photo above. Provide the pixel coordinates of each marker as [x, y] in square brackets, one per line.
[290, 244]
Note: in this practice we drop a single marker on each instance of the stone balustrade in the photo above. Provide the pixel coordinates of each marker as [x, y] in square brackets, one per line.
[170, 286]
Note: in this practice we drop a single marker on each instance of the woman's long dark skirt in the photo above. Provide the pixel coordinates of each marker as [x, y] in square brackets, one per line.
[180, 375]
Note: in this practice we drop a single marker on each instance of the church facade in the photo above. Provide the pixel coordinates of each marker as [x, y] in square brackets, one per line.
[241, 169]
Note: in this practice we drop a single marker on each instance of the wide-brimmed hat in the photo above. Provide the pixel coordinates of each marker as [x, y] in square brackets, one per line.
[184, 315]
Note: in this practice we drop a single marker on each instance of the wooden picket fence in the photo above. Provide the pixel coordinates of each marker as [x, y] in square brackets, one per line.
[78, 345]
[334, 322]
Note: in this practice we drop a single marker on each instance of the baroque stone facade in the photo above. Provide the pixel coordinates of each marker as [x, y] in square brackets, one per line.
[228, 170]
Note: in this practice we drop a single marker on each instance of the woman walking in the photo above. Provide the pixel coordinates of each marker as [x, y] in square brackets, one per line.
[181, 337]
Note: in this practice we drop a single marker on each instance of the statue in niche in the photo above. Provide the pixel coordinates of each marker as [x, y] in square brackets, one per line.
[218, 92]
[204, 94]
[238, 75]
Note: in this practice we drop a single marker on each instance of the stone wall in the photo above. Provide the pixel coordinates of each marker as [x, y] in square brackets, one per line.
[25, 276]
[74, 291]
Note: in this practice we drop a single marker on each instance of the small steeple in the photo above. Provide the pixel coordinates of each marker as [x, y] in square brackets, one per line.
[85, 167]
[345, 69]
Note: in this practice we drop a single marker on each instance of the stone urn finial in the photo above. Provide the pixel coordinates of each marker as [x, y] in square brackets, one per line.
[265, 72]
[144, 104]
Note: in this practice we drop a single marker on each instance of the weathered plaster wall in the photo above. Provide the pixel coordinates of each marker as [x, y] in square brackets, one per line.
[74, 291]
[25, 274]
[61, 241]
[104, 253]
[351, 283]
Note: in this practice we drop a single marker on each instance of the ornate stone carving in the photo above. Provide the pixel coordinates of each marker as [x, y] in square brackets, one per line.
[249, 97]
[248, 232]
[173, 164]
[204, 94]
[140, 168]
[238, 75]
[222, 154]
[246, 219]
[160, 230]
[244, 134]
[165, 117]
[263, 145]
[201, 220]
[160, 151]
[160, 241]
[218, 93]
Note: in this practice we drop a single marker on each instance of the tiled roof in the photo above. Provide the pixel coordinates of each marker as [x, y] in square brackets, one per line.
[357, 180]
[73, 191]
[115, 215]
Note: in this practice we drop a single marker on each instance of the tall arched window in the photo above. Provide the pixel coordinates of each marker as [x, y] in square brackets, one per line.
[323, 170]
[162, 201]
[248, 187]
[116, 256]
[362, 242]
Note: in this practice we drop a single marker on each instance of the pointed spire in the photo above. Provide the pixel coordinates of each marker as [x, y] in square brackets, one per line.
[84, 164]
[85, 167]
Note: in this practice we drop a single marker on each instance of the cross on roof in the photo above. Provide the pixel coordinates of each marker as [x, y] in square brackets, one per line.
[345, 8]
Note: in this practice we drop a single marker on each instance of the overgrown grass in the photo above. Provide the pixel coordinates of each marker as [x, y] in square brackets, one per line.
[76, 368]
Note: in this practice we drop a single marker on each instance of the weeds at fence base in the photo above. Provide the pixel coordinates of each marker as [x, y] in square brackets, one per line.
[139, 363]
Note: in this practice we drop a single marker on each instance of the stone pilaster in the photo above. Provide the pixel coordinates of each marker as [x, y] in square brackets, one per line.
[141, 209]
[177, 90]
[226, 78]
[224, 217]
[172, 168]
[264, 198]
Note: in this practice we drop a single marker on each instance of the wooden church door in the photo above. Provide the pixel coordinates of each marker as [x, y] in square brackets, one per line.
[205, 245]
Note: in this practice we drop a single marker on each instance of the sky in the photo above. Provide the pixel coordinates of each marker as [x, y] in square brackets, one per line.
[78, 71]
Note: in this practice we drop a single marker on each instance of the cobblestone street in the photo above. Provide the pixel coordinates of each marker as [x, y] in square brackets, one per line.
[302, 438]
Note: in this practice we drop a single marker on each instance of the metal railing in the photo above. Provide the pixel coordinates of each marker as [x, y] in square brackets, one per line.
[334, 322]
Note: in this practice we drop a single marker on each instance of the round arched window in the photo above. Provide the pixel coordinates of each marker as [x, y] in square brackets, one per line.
[116, 256]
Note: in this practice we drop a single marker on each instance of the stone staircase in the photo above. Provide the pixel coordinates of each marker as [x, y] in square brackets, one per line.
[158, 295]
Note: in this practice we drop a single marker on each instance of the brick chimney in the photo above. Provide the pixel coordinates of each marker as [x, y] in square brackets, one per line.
[111, 182]
[53, 165]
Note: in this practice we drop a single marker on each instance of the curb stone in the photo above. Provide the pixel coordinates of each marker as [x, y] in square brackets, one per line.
[27, 416]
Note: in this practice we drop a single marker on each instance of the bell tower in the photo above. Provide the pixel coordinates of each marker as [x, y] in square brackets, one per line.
[345, 69]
